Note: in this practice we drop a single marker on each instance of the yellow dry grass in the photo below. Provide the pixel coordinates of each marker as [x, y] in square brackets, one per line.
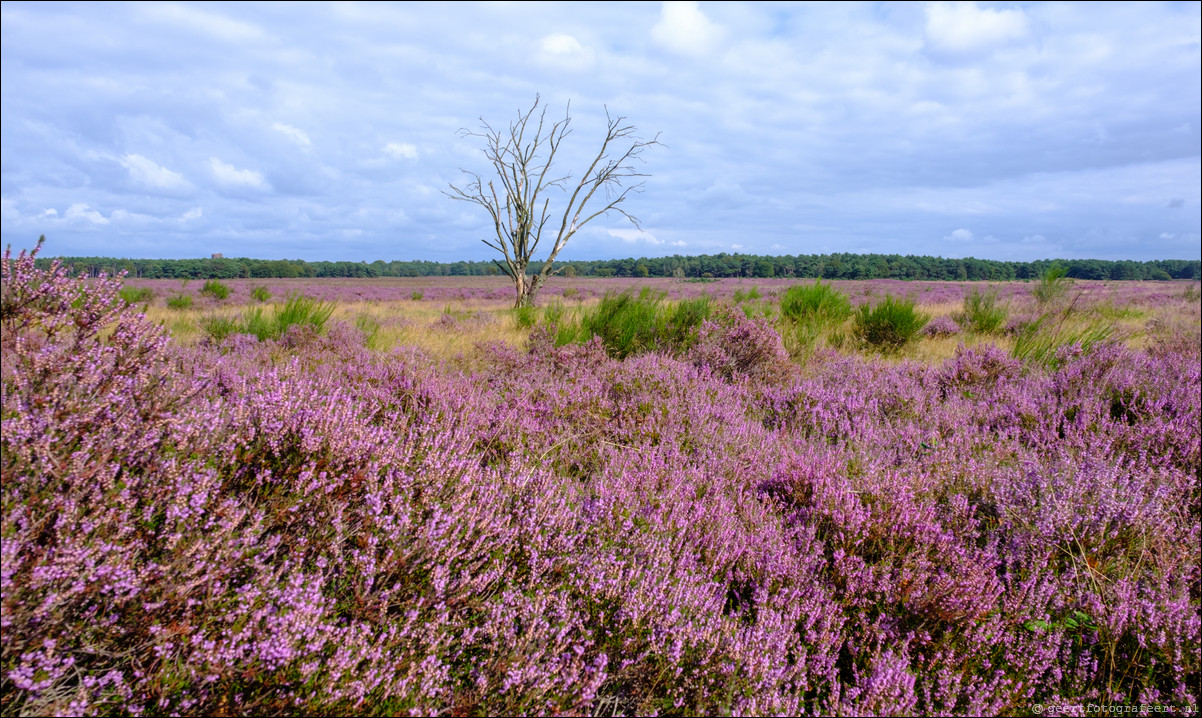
[456, 330]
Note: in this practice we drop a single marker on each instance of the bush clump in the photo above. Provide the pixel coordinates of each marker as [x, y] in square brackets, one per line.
[815, 303]
[180, 301]
[983, 313]
[637, 324]
[298, 310]
[260, 293]
[136, 295]
[733, 345]
[1052, 285]
[891, 324]
[215, 289]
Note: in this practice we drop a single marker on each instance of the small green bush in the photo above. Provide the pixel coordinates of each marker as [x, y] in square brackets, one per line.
[891, 324]
[220, 327]
[571, 293]
[136, 295]
[297, 310]
[815, 303]
[983, 313]
[180, 301]
[215, 289]
[260, 293]
[1040, 341]
[635, 324]
[553, 314]
[371, 330]
[524, 317]
[750, 295]
[305, 311]
[1052, 285]
[416, 295]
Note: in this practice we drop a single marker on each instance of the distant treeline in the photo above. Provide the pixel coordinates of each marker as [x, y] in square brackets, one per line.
[826, 266]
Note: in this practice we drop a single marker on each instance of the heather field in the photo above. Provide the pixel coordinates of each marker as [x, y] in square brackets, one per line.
[743, 496]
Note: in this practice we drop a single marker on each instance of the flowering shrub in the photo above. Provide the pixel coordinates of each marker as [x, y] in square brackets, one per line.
[232, 529]
[941, 326]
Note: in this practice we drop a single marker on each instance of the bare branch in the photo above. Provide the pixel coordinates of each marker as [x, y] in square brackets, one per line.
[522, 158]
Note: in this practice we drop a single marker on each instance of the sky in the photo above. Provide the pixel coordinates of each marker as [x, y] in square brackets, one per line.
[330, 131]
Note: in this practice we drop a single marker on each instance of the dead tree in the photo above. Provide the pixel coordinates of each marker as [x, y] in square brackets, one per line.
[522, 156]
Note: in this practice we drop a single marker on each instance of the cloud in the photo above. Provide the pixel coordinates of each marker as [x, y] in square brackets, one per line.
[217, 26]
[80, 210]
[631, 235]
[149, 173]
[960, 235]
[564, 51]
[194, 213]
[1175, 203]
[683, 28]
[961, 27]
[231, 176]
[292, 133]
[401, 150]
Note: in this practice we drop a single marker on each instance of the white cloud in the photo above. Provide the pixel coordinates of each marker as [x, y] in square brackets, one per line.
[631, 235]
[401, 150]
[1166, 235]
[151, 174]
[737, 247]
[229, 175]
[212, 24]
[564, 51]
[679, 243]
[683, 28]
[80, 210]
[960, 235]
[52, 212]
[194, 213]
[964, 27]
[292, 133]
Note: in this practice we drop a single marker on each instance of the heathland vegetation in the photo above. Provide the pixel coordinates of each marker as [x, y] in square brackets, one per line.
[743, 496]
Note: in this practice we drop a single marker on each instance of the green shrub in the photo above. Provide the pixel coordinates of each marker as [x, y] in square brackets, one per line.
[215, 289]
[750, 295]
[816, 303]
[220, 327]
[679, 331]
[180, 301]
[1040, 341]
[628, 324]
[524, 317]
[136, 295]
[983, 313]
[416, 295]
[371, 330]
[1052, 285]
[260, 325]
[571, 293]
[553, 314]
[298, 310]
[891, 324]
[305, 311]
[260, 293]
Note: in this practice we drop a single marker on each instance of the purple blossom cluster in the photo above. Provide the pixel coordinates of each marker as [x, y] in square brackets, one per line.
[307, 526]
